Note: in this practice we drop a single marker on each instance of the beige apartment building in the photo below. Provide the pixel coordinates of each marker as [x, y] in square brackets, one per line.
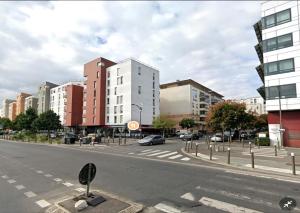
[21, 102]
[12, 111]
[31, 102]
[187, 99]
[5, 107]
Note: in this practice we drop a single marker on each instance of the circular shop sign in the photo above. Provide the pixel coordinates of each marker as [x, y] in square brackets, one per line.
[84, 174]
[133, 125]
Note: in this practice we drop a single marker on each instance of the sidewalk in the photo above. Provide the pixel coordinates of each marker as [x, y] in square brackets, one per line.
[264, 157]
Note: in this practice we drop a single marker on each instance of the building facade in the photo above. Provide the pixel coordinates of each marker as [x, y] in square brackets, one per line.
[187, 99]
[131, 87]
[5, 107]
[66, 101]
[21, 102]
[31, 102]
[279, 53]
[12, 111]
[255, 105]
[43, 96]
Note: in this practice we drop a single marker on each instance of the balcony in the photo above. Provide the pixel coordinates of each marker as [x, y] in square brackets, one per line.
[259, 51]
[261, 91]
[260, 71]
[258, 29]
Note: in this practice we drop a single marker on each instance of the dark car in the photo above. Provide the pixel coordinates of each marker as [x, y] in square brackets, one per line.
[70, 138]
[152, 140]
[190, 136]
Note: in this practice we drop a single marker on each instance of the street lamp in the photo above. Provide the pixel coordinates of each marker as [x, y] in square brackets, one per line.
[280, 117]
[140, 109]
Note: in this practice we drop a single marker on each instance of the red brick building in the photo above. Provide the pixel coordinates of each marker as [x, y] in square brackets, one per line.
[73, 107]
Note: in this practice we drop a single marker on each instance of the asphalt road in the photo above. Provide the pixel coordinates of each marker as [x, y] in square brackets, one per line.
[33, 176]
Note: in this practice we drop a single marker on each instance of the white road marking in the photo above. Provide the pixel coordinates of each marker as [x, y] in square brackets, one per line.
[204, 156]
[270, 168]
[68, 184]
[146, 150]
[227, 207]
[80, 189]
[39, 172]
[185, 159]
[158, 153]
[42, 203]
[146, 153]
[19, 187]
[57, 179]
[166, 155]
[166, 208]
[131, 153]
[4, 176]
[176, 156]
[11, 181]
[188, 196]
[48, 175]
[30, 194]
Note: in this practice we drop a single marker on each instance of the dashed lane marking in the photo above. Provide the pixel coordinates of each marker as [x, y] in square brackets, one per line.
[19, 187]
[42, 203]
[227, 207]
[57, 179]
[157, 153]
[166, 208]
[166, 155]
[176, 156]
[80, 190]
[39, 172]
[48, 175]
[188, 196]
[185, 159]
[68, 184]
[4, 176]
[131, 153]
[29, 194]
[147, 150]
[11, 181]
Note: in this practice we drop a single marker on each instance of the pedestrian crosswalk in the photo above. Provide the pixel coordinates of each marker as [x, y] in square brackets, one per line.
[268, 152]
[161, 154]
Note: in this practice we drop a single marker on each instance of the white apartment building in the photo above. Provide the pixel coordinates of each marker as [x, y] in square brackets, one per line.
[187, 99]
[31, 102]
[5, 107]
[130, 85]
[1, 113]
[58, 99]
[278, 33]
[254, 104]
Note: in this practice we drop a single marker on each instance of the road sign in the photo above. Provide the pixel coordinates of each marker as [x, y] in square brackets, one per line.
[84, 173]
[287, 203]
[133, 125]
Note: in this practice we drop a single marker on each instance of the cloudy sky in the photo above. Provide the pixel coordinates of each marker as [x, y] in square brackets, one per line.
[210, 42]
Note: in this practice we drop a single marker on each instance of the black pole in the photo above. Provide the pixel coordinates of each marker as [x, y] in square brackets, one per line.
[88, 181]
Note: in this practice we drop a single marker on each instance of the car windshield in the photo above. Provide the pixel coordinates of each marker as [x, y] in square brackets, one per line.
[149, 137]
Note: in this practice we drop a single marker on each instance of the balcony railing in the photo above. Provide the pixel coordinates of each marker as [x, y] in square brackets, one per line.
[259, 51]
[261, 91]
[258, 30]
[260, 71]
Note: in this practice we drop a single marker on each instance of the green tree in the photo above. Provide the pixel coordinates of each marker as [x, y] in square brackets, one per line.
[187, 123]
[20, 122]
[6, 123]
[261, 122]
[47, 121]
[162, 122]
[24, 120]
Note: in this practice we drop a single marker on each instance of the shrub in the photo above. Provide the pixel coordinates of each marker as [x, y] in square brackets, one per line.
[263, 141]
[42, 138]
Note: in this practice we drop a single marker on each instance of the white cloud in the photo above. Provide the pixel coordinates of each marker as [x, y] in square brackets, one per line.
[210, 42]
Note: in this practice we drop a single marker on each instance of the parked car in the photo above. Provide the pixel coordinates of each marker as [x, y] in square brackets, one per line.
[218, 138]
[70, 138]
[152, 140]
[190, 136]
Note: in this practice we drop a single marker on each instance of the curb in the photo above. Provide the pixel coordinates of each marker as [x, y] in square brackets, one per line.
[258, 171]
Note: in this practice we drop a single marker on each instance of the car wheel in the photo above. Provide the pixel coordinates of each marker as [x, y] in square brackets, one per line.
[150, 144]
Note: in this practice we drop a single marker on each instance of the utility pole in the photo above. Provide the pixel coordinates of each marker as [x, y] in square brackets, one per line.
[280, 117]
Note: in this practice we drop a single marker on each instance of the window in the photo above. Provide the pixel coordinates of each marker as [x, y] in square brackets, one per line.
[153, 76]
[139, 70]
[286, 91]
[153, 101]
[83, 120]
[108, 74]
[153, 111]
[98, 74]
[118, 99]
[115, 92]
[84, 111]
[276, 19]
[107, 119]
[121, 99]
[278, 42]
[278, 67]
[99, 64]
[153, 85]
[121, 118]
[94, 111]
[115, 119]
[84, 103]
[118, 71]
[121, 81]
[121, 108]
[108, 91]
[94, 102]
[95, 84]
[107, 110]
[94, 93]
[108, 83]
[107, 100]
[115, 109]
[139, 90]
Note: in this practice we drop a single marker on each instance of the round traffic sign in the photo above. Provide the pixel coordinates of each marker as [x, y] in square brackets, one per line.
[133, 125]
[84, 173]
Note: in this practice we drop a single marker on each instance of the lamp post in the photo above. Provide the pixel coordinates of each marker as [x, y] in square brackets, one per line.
[140, 109]
[280, 117]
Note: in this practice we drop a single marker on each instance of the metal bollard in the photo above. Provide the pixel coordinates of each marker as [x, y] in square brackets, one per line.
[293, 163]
[188, 147]
[275, 147]
[191, 143]
[80, 140]
[185, 148]
[243, 142]
[210, 152]
[119, 139]
[258, 142]
[250, 148]
[197, 150]
[228, 156]
[252, 159]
